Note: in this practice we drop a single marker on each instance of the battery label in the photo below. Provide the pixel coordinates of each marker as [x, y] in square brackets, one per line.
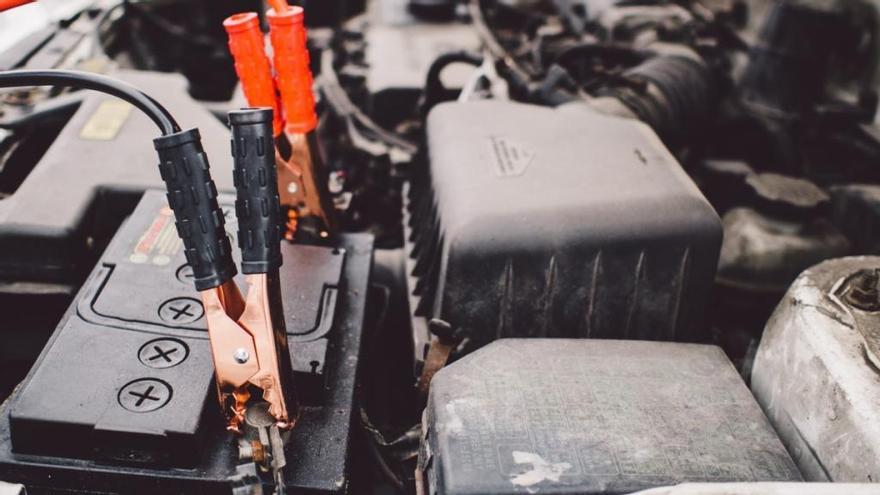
[105, 123]
[159, 243]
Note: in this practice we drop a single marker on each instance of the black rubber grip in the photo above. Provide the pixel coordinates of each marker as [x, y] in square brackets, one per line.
[257, 206]
[193, 197]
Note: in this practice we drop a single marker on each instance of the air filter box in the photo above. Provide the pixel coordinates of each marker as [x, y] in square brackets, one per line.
[513, 234]
[590, 417]
[122, 399]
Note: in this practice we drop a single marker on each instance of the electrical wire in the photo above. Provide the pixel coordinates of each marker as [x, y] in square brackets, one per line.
[345, 108]
[382, 464]
[518, 75]
[101, 21]
[278, 5]
[435, 91]
[87, 80]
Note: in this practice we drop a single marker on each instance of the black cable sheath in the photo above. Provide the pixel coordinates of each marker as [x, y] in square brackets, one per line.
[519, 76]
[96, 82]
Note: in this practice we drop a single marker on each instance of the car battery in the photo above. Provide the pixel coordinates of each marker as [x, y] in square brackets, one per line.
[588, 417]
[92, 176]
[72, 199]
[122, 399]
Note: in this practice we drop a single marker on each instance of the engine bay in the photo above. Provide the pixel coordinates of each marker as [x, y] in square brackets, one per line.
[440, 247]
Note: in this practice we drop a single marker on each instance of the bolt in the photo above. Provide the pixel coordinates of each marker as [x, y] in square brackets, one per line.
[863, 292]
[245, 451]
[336, 182]
[292, 188]
[241, 356]
[258, 452]
[258, 416]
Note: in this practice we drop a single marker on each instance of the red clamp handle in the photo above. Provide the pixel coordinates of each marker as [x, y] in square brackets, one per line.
[11, 4]
[294, 76]
[247, 46]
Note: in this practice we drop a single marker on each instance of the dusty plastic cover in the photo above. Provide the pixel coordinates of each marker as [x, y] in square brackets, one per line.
[512, 235]
[813, 378]
[594, 417]
[764, 489]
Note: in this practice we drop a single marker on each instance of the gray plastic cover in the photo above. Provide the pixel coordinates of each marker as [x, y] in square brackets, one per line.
[515, 235]
[594, 417]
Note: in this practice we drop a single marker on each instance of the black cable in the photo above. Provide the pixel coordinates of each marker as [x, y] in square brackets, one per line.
[96, 82]
[338, 99]
[386, 470]
[433, 82]
[435, 92]
[518, 76]
[98, 31]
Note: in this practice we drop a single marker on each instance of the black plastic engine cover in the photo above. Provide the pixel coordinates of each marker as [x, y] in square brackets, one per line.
[91, 177]
[122, 400]
[398, 49]
[594, 417]
[512, 234]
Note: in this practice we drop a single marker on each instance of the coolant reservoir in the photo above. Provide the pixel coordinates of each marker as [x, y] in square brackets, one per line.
[816, 372]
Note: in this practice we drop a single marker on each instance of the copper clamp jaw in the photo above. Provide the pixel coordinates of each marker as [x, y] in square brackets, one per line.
[249, 347]
[248, 335]
[300, 179]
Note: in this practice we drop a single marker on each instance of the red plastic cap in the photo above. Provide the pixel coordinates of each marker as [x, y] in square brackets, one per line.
[292, 72]
[247, 45]
[291, 15]
[246, 21]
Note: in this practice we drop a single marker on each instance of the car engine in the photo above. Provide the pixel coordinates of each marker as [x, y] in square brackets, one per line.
[440, 247]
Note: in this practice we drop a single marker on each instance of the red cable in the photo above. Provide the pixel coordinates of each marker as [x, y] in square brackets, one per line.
[279, 5]
[11, 4]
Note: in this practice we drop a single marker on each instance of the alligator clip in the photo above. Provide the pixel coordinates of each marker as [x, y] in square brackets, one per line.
[248, 336]
[300, 170]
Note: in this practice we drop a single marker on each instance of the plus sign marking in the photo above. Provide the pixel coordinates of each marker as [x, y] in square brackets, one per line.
[181, 311]
[163, 353]
[144, 395]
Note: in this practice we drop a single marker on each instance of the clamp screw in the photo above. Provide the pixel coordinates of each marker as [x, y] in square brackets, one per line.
[241, 356]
